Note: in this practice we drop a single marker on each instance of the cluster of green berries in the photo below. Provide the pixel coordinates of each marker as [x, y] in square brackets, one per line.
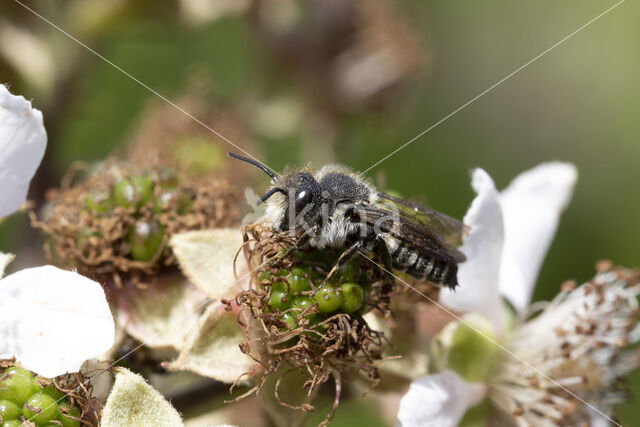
[160, 188]
[292, 291]
[21, 395]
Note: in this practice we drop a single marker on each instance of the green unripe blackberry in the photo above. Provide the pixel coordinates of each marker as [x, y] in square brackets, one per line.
[20, 371]
[350, 271]
[124, 193]
[289, 319]
[298, 281]
[12, 423]
[329, 299]
[352, 297]
[144, 187]
[146, 239]
[181, 200]
[73, 412]
[315, 275]
[163, 201]
[51, 390]
[279, 299]
[280, 286]
[166, 198]
[15, 387]
[99, 201]
[299, 270]
[41, 408]
[133, 192]
[9, 410]
[301, 302]
[270, 277]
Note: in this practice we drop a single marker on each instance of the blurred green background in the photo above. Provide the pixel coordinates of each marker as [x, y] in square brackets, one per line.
[303, 80]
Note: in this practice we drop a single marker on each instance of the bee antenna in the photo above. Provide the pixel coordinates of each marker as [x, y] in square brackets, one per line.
[269, 194]
[254, 163]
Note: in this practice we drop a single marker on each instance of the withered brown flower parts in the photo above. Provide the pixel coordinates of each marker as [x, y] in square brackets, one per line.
[90, 230]
[304, 334]
[583, 342]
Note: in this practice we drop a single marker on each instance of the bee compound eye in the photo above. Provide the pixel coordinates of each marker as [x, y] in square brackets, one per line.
[303, 198]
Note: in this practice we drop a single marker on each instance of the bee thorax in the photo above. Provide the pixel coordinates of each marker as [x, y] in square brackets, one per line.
[335, 233]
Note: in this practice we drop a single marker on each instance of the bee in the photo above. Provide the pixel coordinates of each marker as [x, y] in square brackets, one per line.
[337, 208]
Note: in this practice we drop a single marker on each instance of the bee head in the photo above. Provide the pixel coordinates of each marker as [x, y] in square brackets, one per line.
[297, 206]
[293, 202]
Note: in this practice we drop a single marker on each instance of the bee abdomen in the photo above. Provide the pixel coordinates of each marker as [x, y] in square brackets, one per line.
[425, 268]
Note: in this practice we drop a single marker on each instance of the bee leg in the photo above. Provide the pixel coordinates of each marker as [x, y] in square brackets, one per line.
[344, 257]
[302, 240]
[383, 252]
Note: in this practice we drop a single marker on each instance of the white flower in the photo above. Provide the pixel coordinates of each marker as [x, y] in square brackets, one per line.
[558, 367]
[510, 233]
[562, 367]
[429, 402]
[508, 238]
[23, 140]
[53, 320]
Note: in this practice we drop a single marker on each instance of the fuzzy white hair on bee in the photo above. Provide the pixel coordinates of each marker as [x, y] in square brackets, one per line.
[335, 207]
[300, 200]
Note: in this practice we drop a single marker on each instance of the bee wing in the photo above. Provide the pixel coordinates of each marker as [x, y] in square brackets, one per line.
[450, 229]
[431, 232]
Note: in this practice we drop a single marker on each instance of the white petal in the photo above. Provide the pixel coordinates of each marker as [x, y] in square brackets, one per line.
[531, 206]
[478, 275]
[22, 144]
[53, 320]
[438, 400]
[5, 259]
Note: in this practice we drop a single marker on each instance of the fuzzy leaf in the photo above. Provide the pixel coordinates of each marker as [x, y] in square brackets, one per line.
[133, 402]
[213, 351]
[207, 258]
[162, 315]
